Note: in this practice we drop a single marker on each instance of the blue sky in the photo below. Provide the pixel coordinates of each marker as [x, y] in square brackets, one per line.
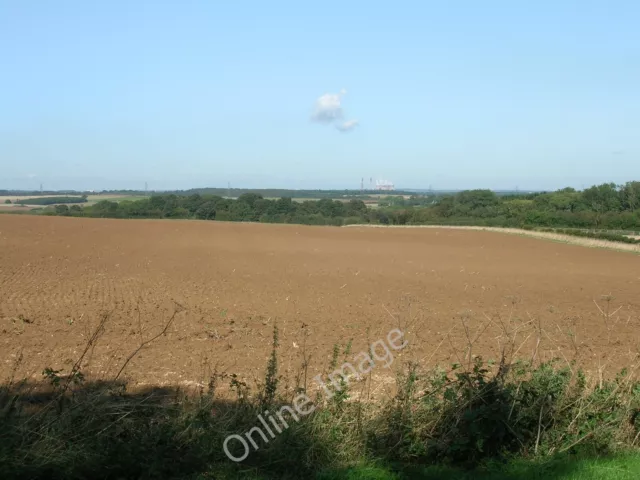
[458, 94]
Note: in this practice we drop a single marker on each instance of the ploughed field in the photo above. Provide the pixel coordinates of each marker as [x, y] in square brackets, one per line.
[228, 284]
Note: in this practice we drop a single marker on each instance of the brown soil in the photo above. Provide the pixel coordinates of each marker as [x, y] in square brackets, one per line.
[235, 281]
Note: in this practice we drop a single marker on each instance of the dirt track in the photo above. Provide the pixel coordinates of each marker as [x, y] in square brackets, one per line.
[234, 281]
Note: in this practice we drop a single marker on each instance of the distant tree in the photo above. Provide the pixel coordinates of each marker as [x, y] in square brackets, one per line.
[630, 192]
[562, 200]
[477, 198]
[331, 208]
[171, 203]
[62, 210]
[241, 211]
[517, 208]
[157, 201]
[249, 198]
[602, 199]
[445, 207]
[356, 208]
[177, 212]
[193, 202]
[105, 208]
[285, 205]
[207, 211]
[7, 201]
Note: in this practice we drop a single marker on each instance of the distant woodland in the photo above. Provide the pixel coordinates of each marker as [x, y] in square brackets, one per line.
[607, 206]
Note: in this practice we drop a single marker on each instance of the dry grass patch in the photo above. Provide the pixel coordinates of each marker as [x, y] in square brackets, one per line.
[558, 237]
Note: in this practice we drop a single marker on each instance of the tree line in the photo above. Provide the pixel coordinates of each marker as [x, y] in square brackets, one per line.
[606, 206]
[249, 207]
[51, 200]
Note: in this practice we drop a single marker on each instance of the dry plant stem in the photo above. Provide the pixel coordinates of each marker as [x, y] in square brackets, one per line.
[147, 342]
[535, 351]
[469, 343]
[398, 322]
[606, 316]
[535, 450]
[435, 350]
[511, 337]
[306, 358]
[455, 352]
[572, 339]
[559, 351]
[90, 344]
[515, 354]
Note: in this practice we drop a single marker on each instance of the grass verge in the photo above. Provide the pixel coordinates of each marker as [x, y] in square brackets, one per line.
[597, 240]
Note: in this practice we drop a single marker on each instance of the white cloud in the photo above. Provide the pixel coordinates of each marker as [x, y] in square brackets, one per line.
[328, 110]
[347, 126]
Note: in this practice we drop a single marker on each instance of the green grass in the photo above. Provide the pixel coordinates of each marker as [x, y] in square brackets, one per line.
[20, 211]
[622, 467]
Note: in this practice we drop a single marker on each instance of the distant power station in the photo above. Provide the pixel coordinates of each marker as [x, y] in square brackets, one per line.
[385, 185]
[380, 185]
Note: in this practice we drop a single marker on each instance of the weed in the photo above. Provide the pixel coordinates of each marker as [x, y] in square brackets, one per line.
[270, 387]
